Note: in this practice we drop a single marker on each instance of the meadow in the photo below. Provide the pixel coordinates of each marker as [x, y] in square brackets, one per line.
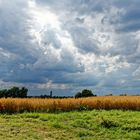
[75, 125]
[15, 105]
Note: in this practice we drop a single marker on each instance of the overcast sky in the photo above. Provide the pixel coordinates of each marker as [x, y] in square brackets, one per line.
[69, 45]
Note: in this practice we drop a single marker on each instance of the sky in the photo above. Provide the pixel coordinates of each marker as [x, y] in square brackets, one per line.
[65, 46]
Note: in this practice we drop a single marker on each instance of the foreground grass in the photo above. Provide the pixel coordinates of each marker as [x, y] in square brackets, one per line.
[84, 125]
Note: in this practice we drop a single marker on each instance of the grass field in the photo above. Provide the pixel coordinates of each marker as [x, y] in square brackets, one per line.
[75, 125]
[94, 118]
[14, 105]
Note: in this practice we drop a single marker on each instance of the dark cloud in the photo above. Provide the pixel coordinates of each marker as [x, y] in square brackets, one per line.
[69, 45]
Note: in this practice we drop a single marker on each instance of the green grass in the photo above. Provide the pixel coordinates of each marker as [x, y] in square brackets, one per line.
[84, 125]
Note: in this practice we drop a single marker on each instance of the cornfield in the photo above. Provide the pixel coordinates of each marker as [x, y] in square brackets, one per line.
[48, 105]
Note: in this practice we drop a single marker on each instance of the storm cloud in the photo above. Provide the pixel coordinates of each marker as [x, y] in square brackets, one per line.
[66, 46]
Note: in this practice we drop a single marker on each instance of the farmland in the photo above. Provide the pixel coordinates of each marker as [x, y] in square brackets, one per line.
[105, 117]
[15, 105]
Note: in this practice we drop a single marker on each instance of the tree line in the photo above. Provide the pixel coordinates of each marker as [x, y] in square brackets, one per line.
[14, 92]
[83, 93]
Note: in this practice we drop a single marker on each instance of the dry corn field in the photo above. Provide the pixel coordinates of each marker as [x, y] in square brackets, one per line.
[48, 105]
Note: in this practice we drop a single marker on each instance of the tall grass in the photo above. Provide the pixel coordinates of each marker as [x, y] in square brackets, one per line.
[46, 105]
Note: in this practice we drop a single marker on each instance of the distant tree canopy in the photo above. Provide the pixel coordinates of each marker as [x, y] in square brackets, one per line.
[84, 93]
[14, 92]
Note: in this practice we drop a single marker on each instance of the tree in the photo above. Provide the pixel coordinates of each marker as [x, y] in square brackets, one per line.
[14, 92]
[87, 93]
[23, 92]
[84, 93]
[78, 95]
[3, 93]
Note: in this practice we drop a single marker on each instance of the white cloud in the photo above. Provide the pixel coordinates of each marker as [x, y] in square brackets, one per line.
[69, 44]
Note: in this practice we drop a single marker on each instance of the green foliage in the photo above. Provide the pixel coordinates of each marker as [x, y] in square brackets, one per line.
[14, 92]
[84, 93]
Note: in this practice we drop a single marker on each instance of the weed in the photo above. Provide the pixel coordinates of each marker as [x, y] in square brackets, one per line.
[107, 123]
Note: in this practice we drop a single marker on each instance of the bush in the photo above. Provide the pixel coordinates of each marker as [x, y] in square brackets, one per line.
[84, 93]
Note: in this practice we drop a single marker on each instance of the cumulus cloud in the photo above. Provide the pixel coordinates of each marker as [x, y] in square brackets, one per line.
[69, 45]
